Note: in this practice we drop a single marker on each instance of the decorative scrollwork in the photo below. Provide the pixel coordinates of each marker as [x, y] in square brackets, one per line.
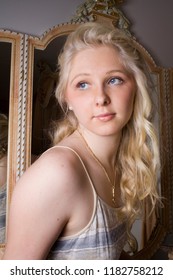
[91, 8]
[22, 108]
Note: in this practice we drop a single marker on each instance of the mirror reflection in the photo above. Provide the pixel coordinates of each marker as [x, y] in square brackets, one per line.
[3, 173]
[45, 107]
[5, 62]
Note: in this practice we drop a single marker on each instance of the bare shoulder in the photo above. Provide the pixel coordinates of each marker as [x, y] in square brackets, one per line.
[62, 162]
[44, 202]
[55, 171]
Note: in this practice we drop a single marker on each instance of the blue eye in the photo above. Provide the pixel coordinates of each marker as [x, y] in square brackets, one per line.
[115, 81]
[82, 85]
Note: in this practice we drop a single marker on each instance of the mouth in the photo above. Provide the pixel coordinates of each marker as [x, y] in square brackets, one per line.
[105, 117]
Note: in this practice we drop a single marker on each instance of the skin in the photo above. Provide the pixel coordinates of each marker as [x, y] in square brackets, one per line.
[102, 81]
[46, 201]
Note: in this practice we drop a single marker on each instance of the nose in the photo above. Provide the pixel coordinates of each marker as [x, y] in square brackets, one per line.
[101, 98]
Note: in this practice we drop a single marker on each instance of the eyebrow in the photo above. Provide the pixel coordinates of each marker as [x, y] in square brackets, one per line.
[118, 70]
[78, 75]
[107, 73]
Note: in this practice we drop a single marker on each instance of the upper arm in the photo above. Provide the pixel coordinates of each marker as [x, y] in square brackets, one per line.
[38, 210]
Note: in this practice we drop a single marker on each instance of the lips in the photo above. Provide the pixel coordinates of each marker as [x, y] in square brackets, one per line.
[105, 116]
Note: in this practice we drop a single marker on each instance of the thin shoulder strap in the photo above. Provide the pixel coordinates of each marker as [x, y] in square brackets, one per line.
[86, 171]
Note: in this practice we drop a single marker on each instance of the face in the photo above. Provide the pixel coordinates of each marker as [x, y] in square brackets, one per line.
[100, 91]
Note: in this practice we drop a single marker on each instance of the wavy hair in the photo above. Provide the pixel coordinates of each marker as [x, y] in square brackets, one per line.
[138, 155]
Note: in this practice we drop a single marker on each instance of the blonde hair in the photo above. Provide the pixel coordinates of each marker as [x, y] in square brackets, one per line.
[138, 156]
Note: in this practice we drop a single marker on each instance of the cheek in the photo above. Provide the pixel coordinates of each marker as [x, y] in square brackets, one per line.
[129, 96]
[125, 104]
[77, 100]
[79, 105]
[127, 100]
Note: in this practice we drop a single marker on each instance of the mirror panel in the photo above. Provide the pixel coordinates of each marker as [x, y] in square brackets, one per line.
[45, 108]
[43, 53]
[11, 87]
[5, 64]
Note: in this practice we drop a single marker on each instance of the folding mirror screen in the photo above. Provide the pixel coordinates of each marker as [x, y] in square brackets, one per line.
[26, 89]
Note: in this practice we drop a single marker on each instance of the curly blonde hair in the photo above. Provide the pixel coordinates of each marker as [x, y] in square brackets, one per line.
[138, 155]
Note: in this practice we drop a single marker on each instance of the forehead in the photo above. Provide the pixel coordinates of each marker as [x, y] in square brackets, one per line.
[96, 57]
[93, 50]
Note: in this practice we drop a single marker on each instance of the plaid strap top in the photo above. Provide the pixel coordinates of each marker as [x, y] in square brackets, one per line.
[103, 238]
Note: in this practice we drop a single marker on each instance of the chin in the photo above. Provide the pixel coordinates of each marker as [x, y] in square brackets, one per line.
[107, 132]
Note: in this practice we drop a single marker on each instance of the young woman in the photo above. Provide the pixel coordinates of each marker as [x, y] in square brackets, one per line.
[81, 197]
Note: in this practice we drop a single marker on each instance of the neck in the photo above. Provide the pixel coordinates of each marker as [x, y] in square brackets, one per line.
[99, 160]
[104, 147]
